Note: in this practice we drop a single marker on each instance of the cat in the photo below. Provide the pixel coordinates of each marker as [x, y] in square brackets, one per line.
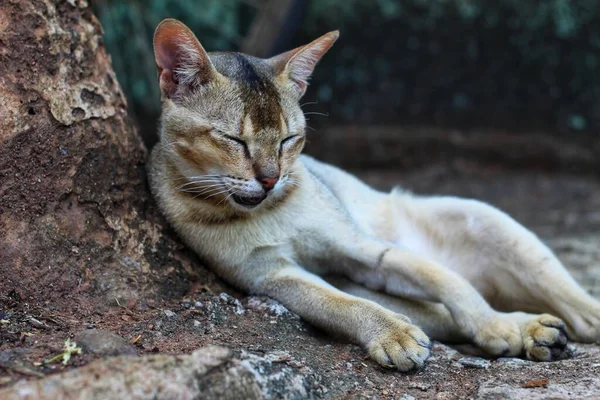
[391, 271]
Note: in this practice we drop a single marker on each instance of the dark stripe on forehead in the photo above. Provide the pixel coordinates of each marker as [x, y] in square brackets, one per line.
[261, 99]
[255, 81]
[246, 72]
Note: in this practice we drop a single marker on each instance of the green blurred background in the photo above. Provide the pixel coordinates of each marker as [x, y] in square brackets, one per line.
[517, 65]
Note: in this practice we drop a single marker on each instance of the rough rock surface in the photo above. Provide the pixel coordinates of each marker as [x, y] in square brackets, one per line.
[77, 229]
[208, 373]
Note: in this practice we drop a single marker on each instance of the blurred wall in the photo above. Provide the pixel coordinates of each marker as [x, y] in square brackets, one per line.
[516, 64]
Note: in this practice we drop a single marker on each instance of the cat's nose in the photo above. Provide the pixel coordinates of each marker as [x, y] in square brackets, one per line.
[267, 182]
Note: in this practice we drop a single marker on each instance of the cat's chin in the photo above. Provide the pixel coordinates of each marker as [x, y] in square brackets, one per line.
[248, 202]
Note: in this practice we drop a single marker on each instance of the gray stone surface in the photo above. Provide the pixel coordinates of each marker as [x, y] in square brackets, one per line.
[105, 343]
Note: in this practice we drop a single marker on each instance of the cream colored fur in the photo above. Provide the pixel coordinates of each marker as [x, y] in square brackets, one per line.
[443, 259]
[346, 257]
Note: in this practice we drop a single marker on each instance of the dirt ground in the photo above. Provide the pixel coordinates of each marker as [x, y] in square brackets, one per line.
[564, 209]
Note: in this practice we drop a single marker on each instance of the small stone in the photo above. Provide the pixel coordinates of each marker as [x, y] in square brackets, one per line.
[273, 307]
[404, 396]
[169, 313]
[512, 362]
[186, 303]
[198, 304]
[474, 362]
[106, 343]
[278, 356]
[228, 299]
[419, 385]
[197, 323]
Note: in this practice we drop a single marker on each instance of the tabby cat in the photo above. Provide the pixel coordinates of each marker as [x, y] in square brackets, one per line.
[388, 270]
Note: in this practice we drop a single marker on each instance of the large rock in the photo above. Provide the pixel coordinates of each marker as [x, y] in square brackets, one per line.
[208, 373]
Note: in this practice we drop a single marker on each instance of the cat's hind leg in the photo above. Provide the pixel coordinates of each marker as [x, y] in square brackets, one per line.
[504, 261]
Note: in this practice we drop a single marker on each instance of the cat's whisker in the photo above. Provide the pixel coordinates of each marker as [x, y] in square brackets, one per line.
[198, 177]
[215, 181]
[215, 194]
[201, 186]
[198, 180]
[227, 197]
[308, 103]
[211, 195]
[165, 145]
[202, 190]
[316, 113]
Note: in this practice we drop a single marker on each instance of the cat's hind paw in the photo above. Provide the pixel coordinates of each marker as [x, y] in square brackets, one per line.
[545, 339]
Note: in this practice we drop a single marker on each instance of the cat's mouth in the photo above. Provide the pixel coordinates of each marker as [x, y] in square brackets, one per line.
[249, 201]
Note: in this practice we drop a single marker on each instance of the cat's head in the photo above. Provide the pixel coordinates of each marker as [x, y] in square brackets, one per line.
[232, 123]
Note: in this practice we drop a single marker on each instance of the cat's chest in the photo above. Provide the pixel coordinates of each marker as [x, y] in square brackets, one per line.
[232, 243]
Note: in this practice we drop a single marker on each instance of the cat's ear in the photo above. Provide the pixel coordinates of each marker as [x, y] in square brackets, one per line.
[297, 65]
[181, 60]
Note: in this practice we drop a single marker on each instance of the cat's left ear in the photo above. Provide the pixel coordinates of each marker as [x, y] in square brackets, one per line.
[296, 66]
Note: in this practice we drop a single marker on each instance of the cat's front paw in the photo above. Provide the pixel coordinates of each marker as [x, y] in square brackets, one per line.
[400, 345]
[545, 339]
[498, 336]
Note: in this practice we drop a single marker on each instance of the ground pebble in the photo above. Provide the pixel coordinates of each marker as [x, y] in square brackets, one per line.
[474, 362]
[228, 299]
[513, 362]
[101, 342]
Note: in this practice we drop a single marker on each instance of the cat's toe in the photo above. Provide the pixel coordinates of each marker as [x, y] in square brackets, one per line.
[545, 339]
[402, 346]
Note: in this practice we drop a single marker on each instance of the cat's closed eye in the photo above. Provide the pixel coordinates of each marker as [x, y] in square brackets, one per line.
[287, 142]
[237, 141]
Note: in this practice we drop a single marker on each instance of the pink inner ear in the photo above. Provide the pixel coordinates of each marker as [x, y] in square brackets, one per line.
[168, 39]
[166, 56]
[180, 58]
[300, 63]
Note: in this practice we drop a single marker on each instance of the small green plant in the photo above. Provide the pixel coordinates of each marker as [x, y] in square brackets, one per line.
[68, 350]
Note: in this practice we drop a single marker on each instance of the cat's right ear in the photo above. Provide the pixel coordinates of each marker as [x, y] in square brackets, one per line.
[181, 60]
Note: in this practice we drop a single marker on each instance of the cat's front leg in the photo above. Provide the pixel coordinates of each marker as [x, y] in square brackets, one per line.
[390, 338]
[400, 272]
